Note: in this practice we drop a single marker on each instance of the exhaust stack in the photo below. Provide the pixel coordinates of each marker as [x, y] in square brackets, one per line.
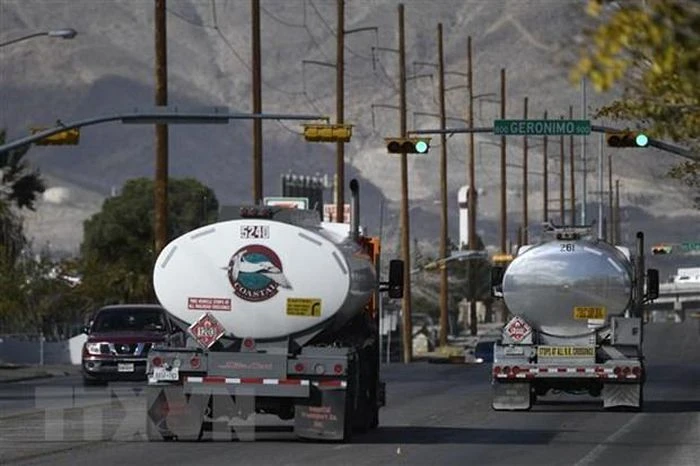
[354, 209]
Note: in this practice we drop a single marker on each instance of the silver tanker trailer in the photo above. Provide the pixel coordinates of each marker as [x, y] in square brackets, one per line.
[576, 323]
[280, 313]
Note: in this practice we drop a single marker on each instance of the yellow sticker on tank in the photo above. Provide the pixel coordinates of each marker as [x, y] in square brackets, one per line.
[304, 307]
[589, 312]
[565, 351]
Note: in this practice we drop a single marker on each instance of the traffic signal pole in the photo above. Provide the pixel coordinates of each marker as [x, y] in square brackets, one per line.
[545, 182]
[525, 187]
[572, 172]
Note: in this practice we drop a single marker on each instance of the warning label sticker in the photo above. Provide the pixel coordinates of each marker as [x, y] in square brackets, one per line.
[305, 307]
[209, 304]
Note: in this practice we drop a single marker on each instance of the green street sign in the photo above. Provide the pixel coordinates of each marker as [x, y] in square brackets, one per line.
[541, 127]
[691, 246]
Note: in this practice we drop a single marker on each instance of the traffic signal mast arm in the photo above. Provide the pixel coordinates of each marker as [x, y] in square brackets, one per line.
[685, 153]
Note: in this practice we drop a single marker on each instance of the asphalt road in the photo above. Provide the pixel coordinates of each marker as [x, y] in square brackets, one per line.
[436, 414]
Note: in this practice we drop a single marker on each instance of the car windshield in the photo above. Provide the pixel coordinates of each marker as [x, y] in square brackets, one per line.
[125, 320]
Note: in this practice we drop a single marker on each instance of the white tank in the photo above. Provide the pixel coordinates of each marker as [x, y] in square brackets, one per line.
[558, 287]
[263, 278]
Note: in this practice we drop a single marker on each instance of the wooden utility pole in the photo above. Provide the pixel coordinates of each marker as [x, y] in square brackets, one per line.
[571, 171]
[471, 194]
[257, 104]
[561, 180]
[545, 208]
[405, 243]
[525, 189]
[161, 176]
[610, 203]
[443, 192]
[340, 110]
[618, 236]
[504, 226]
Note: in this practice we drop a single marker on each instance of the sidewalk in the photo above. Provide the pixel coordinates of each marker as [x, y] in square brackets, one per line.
[18, 373]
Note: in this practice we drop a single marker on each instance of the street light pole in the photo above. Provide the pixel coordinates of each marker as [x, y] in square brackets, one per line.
[66, 33]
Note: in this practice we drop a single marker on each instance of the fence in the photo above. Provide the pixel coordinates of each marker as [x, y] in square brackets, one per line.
[34, 349]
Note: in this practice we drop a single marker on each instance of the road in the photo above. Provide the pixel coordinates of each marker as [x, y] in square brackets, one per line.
[437, 414]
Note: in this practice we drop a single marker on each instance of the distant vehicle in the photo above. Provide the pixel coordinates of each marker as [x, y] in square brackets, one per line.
[576, 303]
[119, 339]
[483, 351]
[687, 276]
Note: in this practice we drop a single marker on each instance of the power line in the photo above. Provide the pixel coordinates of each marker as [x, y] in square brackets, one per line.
[281, 21]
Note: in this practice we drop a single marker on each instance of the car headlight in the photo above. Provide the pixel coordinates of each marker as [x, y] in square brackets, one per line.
[93, 348]
[479, 360]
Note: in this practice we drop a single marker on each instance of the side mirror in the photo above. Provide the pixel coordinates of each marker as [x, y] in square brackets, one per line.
[396, 279]
[652, 284]
[497, 273]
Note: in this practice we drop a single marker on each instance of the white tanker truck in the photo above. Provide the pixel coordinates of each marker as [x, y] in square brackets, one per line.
[279, 310]
[576, 322]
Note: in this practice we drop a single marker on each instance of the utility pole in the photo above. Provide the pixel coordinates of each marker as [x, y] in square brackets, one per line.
[525, 189]
[340, 110]
[571, 171]
[471, 193]
[443, 192]
[161, 175]
[618, 237]
[405, 242]
[601, 193]
[561, 180]
[610, 203]
[584, 187]
[257, 104]
[504, 226]
[545, 207]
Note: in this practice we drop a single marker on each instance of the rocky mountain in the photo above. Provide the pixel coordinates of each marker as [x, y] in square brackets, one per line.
[109, 68]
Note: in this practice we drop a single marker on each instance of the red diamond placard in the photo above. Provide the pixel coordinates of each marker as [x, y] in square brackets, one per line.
[518, 329]
[207, 330]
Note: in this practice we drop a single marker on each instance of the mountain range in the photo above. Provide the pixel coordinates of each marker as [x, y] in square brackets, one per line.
[109, 68]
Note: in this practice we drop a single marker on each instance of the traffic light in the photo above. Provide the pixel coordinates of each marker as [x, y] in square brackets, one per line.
[626, 139]
[661, 249]
[407, 145]
[69, 137]
[327, 133]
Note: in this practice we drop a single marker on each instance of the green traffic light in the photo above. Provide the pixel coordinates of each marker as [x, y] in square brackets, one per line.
[641, 140]
[421, 147]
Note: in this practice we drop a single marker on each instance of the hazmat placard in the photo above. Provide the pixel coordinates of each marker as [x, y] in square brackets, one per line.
[304, 307]
[589, 312]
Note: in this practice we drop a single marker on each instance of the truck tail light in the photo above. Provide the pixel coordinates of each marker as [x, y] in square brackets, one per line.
[157, 361]
[338, 368]
[299, 367]
[195, 362]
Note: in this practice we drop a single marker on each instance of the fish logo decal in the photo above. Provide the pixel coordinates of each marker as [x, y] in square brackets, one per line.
[255, 273]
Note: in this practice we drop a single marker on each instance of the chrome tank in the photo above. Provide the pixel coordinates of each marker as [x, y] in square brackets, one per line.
[546, 283]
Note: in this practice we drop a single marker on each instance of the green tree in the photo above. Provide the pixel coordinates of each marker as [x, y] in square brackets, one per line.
[19, 188]
[653, 50]
[117, 249]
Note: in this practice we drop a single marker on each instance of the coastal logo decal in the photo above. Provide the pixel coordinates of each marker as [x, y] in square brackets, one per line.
[255, 273]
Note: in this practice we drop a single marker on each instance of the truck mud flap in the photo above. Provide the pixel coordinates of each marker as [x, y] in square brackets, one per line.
[511, 396]
[325, 421]
[171, 414]
[622, 395]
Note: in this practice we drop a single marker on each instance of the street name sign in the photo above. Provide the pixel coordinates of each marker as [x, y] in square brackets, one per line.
[541, 127]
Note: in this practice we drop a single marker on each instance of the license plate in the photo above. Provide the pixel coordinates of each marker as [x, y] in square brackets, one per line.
[589, 312]
[125, 367]
[565, 351]
[161, 373]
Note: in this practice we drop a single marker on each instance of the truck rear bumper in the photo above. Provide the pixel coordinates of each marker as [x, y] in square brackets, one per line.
[630, 371]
